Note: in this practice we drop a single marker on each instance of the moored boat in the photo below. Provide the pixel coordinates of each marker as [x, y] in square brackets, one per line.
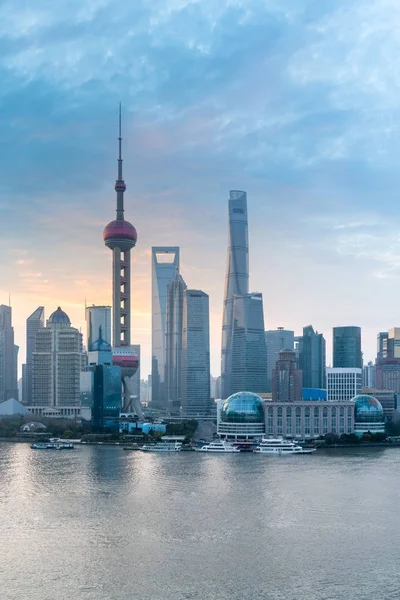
[218, 446]
[52, 446]
[279, 447]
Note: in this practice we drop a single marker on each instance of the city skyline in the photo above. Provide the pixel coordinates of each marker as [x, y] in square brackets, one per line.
[310, 140]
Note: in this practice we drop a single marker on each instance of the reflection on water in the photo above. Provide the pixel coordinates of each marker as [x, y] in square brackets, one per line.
[99, 523]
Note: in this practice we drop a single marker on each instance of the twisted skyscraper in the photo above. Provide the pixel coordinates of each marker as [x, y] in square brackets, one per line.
[237, 277]
[120, 236]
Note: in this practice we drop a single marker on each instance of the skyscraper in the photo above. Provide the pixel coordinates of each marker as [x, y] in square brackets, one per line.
[33, 324]
[173, 354]
[248, 351]
[237, 277]
[276, 340]
[347, 347]
[287, 378]
[98, 324]
[120, 236]
[56, 365]
[312, 358]
[165, 267]
[196, 354]
[8, 356]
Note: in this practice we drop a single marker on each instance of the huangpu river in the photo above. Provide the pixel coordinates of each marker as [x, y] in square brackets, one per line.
[100, 523]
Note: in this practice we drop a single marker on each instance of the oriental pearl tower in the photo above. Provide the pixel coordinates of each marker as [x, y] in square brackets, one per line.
[120, 236]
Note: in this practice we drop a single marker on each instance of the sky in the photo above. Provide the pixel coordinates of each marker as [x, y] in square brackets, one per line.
[294, 101]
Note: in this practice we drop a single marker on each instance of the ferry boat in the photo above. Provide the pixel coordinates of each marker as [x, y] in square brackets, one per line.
[279, 446]
[168, 443]
[52, 446]
[162, 447]
[218, 446]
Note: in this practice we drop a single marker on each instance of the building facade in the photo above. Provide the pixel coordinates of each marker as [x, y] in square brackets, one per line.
[107, 398]
[248, 352]
[276, 340]
[196, 398]
[369, 375]
[98, 325]
[236, 279]
[56, 364]
[165, 267]
[173, 343]
[287, 379]
[347, 347]
[343, 384]
[8, 356]
[33, 324]
[308, 420]
[312, 358]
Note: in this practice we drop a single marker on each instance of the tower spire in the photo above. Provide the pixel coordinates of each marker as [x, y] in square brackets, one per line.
[120, 186]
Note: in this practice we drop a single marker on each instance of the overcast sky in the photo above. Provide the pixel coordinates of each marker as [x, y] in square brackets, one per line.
[294, 101]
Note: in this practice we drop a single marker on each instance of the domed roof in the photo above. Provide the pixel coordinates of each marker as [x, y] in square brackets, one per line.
[120, 230]
[243, 407]
[59, 317]
[367, 409]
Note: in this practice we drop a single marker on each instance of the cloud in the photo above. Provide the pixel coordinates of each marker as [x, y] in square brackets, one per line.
[294, 101]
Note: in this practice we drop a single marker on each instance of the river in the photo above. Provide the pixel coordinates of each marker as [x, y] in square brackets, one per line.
[99, 523]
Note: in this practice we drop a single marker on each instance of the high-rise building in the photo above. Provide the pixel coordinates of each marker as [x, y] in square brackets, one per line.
[196, 354]
[276, 340]
[387, 370]
[120, 236]
[248, 351]
[343, 384]
[165, 267]
[312, 358]
[347, 348]
[382, 345]
[236, 280]
[98, 324]
[369, 375]
[136, 376]
[56, 365]
[173, 352]
[33, 324]
[106, 398]
[287, 379]
[8, 356]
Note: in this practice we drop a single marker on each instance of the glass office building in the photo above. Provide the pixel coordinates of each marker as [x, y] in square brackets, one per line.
[236, 280]
[248, 352]
[107, 397]
[165, 267]
[347, 347]
[312, 358]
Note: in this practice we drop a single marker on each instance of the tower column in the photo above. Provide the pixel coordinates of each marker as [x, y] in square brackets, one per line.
[117, 297]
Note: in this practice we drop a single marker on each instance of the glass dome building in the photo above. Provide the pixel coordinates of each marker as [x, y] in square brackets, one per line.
[368, 415]
[241, 417]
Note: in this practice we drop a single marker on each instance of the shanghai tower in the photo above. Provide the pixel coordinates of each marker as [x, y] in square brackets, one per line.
[120, 236]
[236, 279]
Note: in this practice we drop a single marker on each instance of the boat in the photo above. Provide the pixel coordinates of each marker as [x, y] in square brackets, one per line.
[279, 447]
[162, 447]
[52, 446]
[218, 446]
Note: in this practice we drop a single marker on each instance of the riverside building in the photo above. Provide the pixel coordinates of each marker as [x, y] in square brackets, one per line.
[56, 368]
[343, 384]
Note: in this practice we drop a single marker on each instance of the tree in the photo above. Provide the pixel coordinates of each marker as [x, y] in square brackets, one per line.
[331, 439]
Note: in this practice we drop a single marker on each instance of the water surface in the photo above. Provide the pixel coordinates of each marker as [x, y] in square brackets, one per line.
[98, 523]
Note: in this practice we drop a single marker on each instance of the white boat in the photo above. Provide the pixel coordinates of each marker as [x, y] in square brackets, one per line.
[218, 446]
[52, 446]
[162, 447]
[279, 446]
